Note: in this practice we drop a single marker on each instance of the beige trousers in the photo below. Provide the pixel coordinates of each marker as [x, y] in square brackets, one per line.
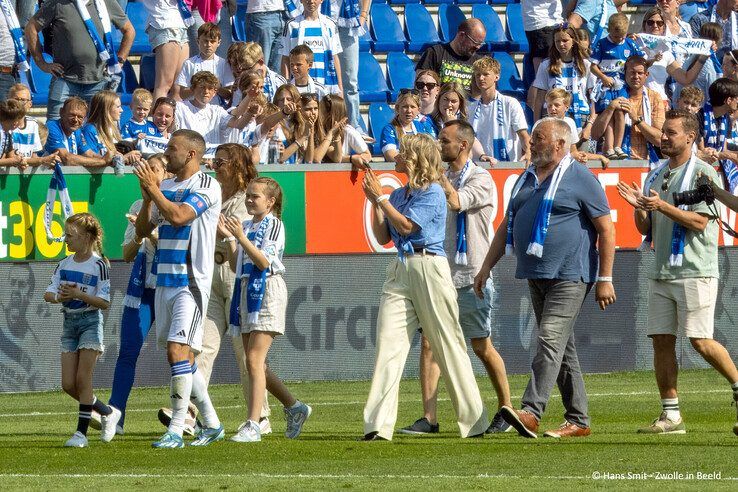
[421, 293]
[216, 327]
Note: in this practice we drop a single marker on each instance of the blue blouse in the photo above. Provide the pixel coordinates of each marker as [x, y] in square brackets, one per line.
[426, 208]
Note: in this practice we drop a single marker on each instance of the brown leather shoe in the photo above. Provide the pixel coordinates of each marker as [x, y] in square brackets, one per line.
[523, 421]
[567, 429]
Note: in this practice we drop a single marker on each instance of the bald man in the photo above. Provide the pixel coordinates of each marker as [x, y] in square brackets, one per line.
[453, 61]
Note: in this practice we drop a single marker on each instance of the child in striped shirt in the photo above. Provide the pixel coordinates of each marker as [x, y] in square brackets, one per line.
[81, 284]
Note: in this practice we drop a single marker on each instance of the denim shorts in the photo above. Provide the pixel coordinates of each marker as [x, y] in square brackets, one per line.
[83, 331]
[158, 37]
[475, 314]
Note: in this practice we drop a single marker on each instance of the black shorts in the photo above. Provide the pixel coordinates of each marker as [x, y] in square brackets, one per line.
[540, 41]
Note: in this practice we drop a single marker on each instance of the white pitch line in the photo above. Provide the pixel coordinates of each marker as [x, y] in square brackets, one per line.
[321, 476]
[349, 403]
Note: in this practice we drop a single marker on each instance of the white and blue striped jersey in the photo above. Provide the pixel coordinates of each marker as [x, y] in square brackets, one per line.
[185, 254]
[272, 246]
[26, 141]
[610, 57]
[320, 36]
[389, 140]
[90, 276]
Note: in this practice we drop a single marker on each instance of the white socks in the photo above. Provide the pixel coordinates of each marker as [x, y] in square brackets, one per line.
[201, 399]
[180, 388]
[671, 407]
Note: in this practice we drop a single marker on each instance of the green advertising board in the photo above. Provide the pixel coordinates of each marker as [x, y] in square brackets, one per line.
[108, 197]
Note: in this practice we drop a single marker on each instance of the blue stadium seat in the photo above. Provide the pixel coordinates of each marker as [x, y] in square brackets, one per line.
[528, 116]
[126, 116]
[510, 82]
[514, 28]
[136, 13]
[379, 115]
[386, 29]
[529, 74]
[419, 27]
[372, 86]
[40, 81]
[636, 3]
[366, 43]
[496, 39]
[400, 73]
[147, 71]
[502, 2]
[438, 2]
[130, 81]
[476, 1]
[397, 2]
[238, 23]
[449, 18]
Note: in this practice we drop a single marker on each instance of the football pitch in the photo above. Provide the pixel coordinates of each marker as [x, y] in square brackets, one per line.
[34, 426]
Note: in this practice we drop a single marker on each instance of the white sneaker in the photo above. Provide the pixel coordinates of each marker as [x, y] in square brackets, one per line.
[265, 426]
[249, 432]
[118, 430]
[109, 424]
[95, 422]
[78, 440]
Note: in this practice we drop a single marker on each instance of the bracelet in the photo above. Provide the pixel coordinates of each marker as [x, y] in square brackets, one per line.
[381, 198]
[56, 297]
[604, 279]
[228, 239]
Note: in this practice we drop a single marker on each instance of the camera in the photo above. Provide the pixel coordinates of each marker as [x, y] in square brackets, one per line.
[701, 193]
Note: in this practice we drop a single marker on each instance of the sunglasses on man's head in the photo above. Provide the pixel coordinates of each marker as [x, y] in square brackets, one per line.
[665, 183]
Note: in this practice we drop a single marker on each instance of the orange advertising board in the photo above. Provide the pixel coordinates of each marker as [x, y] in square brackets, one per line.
[338, 219]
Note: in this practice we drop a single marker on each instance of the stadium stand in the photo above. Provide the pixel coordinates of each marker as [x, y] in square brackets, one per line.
[386, 29]
[420, 29]
[496, 39]
[372, 85]
[400, 72]
[379, 115]
[449, 18]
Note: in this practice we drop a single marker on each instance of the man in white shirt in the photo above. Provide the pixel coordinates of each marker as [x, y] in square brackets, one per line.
[539, 19]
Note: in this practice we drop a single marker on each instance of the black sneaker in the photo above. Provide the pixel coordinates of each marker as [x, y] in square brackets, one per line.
[498, 425]
[421, 426]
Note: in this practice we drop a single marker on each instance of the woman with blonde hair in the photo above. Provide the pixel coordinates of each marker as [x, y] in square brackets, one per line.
[340, 142]
[418, 292]
[451, 105]
[102, 130]
[406, 121]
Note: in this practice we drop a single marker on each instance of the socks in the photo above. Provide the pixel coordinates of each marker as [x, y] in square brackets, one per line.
[100, 407]
[180, 388]
[295, 406]
[201, 399]
[734, 386]
[85, 413]
[671, 407]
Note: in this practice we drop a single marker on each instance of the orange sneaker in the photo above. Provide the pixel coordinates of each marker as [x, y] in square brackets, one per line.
[567, 429]
[523, 421]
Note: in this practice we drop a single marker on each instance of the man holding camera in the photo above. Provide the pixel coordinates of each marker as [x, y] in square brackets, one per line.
[683, 284]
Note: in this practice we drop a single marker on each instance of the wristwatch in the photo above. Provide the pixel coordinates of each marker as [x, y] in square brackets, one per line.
[638, 120]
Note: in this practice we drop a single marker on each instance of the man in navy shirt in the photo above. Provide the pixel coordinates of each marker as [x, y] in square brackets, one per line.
[558, 213]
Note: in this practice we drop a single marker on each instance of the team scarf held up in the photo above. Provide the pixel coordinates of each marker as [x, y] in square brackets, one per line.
[653, 157]
[256, 286]
[543, 215]
[19, 42]
[185, 13]
[57, 184]
[717, 131]
[679, 232]
[104, 47]
[499, 129]
[461, 244]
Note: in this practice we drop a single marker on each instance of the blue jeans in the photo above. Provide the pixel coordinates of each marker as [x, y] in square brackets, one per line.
[6, 82]
[349, 59]
[226, 36]
[192, 33]
[135, 325]
[266, 28]
[60, 90]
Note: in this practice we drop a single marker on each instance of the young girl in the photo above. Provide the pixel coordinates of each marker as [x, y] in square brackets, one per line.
[81, 283]
[567, 67]
[293, 127]
[102, 130]
[427, 83]
[452, 106]
[262, 309]
[340, 142]
[407, 108]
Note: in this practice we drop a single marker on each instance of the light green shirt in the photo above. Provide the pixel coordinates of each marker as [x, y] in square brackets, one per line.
[700, 248]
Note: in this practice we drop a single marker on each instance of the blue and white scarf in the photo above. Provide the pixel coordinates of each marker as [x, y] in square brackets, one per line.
[185, 13]
[679, 232]
[256, 285]
[329, 65]
[543, 216]
[294, 9]
[11, 19]
[57, 184]
[347, 15]
[499, 128]
[105, 48]
[733, 26]
[653, 157]
[137, 280]
[461, 257]
[574, 82]
[716, 133]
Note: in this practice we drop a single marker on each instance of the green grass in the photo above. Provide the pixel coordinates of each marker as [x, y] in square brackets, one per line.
[327, 455]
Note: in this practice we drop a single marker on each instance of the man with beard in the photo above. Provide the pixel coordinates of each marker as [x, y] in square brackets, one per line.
[558, 214]
[18, 343]
[683, 284]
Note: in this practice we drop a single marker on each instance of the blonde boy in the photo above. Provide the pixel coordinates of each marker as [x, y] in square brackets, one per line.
[691, 99]
[141, 101]
[497, 119]
[244, 57]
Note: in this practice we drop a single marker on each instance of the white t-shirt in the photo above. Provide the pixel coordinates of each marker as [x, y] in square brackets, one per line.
[26, 141]
[538, 14]
[514, 121]
[186, 252]
[312, 87]
[164, 14]
[90, 276]
[319, 35]
[572, 128]
[657, 74]
[272, 245]
[254, 6]
[353, 142]
[211, 121]
[217, 66]
[569, 76]
[7, 54]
